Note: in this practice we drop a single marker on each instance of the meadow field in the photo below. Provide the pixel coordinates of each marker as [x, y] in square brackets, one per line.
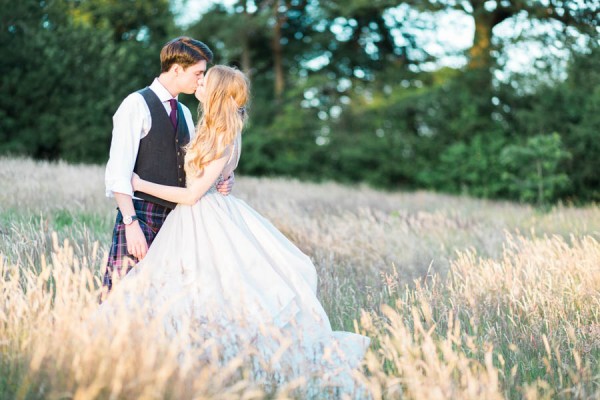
[462, 298]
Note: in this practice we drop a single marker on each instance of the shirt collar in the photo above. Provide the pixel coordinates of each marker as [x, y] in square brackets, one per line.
[162, 93]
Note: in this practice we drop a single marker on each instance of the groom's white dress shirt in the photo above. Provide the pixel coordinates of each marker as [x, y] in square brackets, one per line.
[131, 123]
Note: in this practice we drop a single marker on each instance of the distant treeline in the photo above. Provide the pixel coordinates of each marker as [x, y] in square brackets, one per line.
[343, 93]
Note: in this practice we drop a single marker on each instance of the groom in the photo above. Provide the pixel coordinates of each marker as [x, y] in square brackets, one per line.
[150, 130]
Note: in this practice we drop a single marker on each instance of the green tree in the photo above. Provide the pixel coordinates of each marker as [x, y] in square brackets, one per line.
[567, 106]
[532, 171]
[148, 21]
[61, 78]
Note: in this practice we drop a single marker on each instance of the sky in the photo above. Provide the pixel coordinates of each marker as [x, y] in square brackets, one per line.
[191, 9]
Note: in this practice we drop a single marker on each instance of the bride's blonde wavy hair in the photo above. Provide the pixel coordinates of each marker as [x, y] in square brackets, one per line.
[227, 91]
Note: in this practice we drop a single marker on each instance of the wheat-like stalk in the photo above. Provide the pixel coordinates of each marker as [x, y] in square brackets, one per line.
[462, 298]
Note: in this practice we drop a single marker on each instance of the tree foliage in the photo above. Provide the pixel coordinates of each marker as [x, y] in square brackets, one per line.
[532, 170]
[63, 74]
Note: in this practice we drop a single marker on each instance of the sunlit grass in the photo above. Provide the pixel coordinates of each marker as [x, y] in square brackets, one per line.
[463, 298]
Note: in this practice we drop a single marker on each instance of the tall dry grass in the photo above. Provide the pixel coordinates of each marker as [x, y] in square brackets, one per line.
[463, 298]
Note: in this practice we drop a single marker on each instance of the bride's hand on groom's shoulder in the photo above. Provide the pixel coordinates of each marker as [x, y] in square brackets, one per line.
[135, 181]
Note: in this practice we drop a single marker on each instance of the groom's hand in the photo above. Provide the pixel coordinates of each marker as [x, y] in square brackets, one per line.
[224, 187]
[136, 241]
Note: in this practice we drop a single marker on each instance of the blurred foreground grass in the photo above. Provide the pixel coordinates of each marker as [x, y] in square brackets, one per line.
[463, 298]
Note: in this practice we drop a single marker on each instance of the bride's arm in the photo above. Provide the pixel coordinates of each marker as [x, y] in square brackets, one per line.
[188, 195]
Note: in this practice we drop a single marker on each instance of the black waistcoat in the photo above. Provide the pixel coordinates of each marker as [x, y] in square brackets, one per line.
[160, 156]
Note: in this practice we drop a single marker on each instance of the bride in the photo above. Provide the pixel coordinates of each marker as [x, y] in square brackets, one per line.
[217, 263]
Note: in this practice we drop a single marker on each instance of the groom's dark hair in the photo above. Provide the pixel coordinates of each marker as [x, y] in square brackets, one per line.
[184, 51]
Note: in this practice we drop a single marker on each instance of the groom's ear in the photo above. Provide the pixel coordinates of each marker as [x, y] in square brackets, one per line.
[176, 69]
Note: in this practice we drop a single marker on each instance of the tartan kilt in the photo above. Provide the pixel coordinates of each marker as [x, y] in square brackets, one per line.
[151, 217]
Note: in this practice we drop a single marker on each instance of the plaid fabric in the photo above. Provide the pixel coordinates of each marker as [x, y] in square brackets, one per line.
[151, 218]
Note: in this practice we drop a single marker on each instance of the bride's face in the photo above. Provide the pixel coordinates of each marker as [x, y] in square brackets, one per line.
[201, 89]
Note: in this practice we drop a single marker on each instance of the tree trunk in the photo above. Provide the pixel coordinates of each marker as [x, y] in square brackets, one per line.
[480, 53]
[540, 198]
[480, 56]
[245, 61]
[278, 51]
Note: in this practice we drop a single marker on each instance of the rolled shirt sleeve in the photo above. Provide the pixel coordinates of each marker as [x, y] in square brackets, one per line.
[131, 122]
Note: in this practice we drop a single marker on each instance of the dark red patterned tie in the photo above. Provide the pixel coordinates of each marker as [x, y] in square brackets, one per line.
[173, 113]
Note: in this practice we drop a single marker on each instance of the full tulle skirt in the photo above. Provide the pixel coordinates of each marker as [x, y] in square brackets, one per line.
[218, 272]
